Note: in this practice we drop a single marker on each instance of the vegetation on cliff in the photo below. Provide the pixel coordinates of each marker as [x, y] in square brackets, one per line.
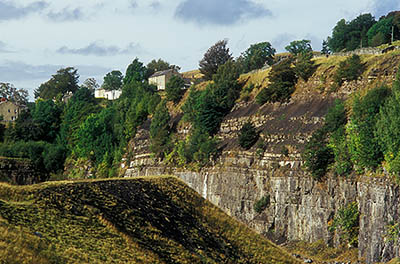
[144, 220]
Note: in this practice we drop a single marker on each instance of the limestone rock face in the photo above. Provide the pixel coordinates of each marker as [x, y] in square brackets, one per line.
[299, 207]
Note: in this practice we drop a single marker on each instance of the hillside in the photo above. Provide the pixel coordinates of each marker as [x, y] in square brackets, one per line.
[297, 207]
[144, 220]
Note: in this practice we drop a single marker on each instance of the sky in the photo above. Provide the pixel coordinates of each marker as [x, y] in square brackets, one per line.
[38, 37]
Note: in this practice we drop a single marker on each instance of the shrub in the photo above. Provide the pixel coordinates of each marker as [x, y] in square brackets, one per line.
[363, 144]
[248, 136]
[346, 224]
[160, 131]
[173, 88]
[283, 79]
[262, 203]
[304, 67]
[388, 129]
[349, 70]
[318, 155]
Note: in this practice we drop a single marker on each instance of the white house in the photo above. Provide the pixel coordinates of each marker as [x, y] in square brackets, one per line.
[109, 95]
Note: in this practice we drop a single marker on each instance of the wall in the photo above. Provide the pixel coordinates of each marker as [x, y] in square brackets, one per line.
[18, 172]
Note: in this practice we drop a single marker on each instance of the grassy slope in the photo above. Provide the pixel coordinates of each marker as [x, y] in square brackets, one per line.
[144, 220]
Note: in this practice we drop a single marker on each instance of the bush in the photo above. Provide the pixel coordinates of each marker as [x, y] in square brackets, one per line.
[174, 89]
[349, 70]
[346, 224]
[160, 131]
[304, 67]
[283, 79]
[248, 136]
[363, 144]
[388, 129]
[262, 203]
[318, 155]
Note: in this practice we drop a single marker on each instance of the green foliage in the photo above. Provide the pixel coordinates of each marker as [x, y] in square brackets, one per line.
[304, 66]
[113, 81]
[283, 79]
[297, 47]
[216, 55]
[317, 155]
[78, 108]
[96, 137]
[319, 152]
[206, 109]
[136, 72]
[388, 129]
[65, 80]
[363, 145]
[339, 144]
[325, 48]
[9, 92]
[90, 84]
[351, 35]
[248, 136]
[47, 118]
[159, 65]
[349, 70]
[174, 88]
[256, 56]
[160, 131]
[262, 203]
[346, 224]
[393, 231]
[45, 157]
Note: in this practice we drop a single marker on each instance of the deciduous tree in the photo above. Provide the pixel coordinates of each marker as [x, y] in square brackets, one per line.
[216, 55]
[256, 56]
[65, 80]
[113, 81]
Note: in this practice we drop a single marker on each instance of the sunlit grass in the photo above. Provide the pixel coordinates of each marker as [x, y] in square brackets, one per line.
[141, 220]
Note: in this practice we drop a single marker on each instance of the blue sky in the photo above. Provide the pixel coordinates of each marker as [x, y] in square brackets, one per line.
[37, 37]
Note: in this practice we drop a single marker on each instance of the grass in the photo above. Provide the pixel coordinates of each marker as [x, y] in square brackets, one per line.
[141, 220]
[319, 252]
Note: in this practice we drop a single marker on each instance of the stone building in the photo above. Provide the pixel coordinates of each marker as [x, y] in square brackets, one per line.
[9, 110]
[161, 78]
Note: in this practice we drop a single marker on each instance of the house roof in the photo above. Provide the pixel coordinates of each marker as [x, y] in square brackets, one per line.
[161, 73]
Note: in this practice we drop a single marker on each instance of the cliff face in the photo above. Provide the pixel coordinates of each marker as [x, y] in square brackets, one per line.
[299, 207]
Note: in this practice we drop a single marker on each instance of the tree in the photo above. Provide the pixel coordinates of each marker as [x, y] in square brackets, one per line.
[159, 65]
[65, 80]
[79, 107]
[325, 48]
[91, 84]
[256, 56]
[174, 87]
[388, 129]
[112, 81]
[380, 33]
[160, 131]
[47, 116]
[351, 35]
[248, 136]
[136, 71]
[349, 70]
[363, 145]
[216, 55]
[96, 138]
[9, 92]
[299, 46]
[283, 79]
[304, 67]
